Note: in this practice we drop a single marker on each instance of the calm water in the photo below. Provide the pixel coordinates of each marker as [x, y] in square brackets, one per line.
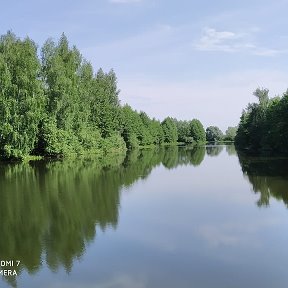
[173, 217]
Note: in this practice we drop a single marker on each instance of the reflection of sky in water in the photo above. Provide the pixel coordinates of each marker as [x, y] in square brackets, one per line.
[185, 227]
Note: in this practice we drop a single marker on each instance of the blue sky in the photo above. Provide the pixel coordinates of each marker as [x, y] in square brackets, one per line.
[185, 59]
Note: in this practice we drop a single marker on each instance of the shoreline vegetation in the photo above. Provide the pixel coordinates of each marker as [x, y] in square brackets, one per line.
[263, 127]
[53, 105]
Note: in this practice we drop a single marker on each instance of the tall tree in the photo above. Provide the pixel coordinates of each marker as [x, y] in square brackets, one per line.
[213, 134]
[105, 109]
[230, 133]
[183, 129]
[197, 131]
[169, 130]
[21, 96]
[263, 126]
[131, 124]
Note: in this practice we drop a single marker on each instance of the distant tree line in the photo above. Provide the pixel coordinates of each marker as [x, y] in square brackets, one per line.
[264, 125]
[214, 134]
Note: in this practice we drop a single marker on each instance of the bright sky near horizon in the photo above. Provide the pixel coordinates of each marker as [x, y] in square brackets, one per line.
[185, 59]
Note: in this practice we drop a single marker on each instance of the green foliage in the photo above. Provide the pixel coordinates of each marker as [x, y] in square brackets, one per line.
[146, 129]
[262, 95]
[264, 126]
[130, 127]
[57, 106]
[59, 67]
[21, 96]
[190, 132]
[156, 132]
[183, 129]
[105, 107]
[113, 144]
[230, 134]
[169, 130]
[138, 129]
[83, 110]
[197, 131]
[214, 134]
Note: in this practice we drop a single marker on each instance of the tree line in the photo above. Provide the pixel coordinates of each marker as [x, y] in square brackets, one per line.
[263, 126]
[53, 104]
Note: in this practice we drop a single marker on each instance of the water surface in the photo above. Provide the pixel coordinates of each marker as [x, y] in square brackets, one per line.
[173, 217]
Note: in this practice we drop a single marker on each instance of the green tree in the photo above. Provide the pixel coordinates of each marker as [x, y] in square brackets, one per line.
[58, 106]
[146, 129]
[264, 126]
[183, 129]
[169, 130]
[21, 96]
[105, 106]
[230, 133]
[60, 65]
[252, 122]
[214, 134]
[262, 95]
[131, 123]
[156, 132]
[197, 131]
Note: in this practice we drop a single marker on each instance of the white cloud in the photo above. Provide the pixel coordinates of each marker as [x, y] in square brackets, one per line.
[217, 236]
[235, 234]
[212, 40]
[212, 37]
[227, 41]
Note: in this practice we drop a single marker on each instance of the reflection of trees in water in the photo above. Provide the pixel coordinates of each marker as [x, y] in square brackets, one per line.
[268, 176]
[230, 149]
[170, 159]
[214, 150]
[187, 155]
[139, 164]
[51, 209]
[48, 210]
[191, 155]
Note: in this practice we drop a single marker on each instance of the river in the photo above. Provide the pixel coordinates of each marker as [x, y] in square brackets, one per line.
[171, 217]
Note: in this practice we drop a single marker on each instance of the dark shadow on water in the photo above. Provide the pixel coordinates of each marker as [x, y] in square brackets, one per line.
[268, 177]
